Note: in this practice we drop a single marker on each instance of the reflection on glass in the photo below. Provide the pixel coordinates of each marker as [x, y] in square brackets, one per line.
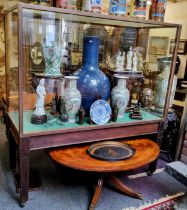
[37, 54]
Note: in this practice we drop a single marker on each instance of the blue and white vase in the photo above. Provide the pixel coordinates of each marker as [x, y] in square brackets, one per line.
[53, 59]
[72, 98]
[92, 82]
[120, 96]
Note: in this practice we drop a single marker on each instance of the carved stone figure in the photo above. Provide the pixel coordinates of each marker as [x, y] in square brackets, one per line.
[129, 59]
[120, 59]
[135, 62]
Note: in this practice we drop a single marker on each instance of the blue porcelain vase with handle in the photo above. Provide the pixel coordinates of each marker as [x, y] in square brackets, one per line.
[92, 82]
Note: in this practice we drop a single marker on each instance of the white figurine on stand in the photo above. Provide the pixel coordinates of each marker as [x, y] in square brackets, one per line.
[135, 62]
[140, 61]
[120, 59]
[40, 91]
[129, 59]
[39, 115]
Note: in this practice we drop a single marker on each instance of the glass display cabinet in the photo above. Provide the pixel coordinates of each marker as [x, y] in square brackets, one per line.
[51, 50]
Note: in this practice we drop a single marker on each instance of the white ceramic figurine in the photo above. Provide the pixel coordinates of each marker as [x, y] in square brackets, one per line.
[120, 59]
[40, 91]
[129, 59]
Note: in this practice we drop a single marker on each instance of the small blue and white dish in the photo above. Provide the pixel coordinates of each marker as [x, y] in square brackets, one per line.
[100, 112]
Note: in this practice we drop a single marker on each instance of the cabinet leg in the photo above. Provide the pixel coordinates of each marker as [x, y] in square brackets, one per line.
[12, 151]
[24, 170]
[97, 193]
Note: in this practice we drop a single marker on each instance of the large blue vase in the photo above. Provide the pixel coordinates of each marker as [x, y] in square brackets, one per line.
[92, 82]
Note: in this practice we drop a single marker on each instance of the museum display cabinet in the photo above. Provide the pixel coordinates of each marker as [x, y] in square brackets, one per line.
[46, 47]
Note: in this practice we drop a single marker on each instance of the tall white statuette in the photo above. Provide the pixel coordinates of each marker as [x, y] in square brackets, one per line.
[40, 91]
[120, 59]
[140, 61]
[135, 62]
[129, 59]
[39, 115]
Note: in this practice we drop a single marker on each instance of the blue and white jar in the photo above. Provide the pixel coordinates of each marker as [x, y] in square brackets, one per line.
[118, 7]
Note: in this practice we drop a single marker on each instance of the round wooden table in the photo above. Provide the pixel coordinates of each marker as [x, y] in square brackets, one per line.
[76, 157]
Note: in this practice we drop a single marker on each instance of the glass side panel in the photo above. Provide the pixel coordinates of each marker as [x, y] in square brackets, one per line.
[157, 68]
[12, 60]
[52, 45]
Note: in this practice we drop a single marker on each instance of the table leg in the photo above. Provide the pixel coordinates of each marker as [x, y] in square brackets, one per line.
[97, 193]
[24, 170]
[123, 188]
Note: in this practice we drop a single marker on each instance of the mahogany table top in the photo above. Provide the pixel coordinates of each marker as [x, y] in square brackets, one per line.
[77, 157]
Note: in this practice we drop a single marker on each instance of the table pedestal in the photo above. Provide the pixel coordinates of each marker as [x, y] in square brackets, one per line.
[117, 183]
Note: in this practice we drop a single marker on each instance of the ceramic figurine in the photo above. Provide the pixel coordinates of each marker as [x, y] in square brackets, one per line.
[81, 115]
[129, 59]
[135, 62]
[72, 98]
[120, 96]
[54, 106]
[120, 59]
[40, 91]
[114, 115]
[140, 61]
[39, 115]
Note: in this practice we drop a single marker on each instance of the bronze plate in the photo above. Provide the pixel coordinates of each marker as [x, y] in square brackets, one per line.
[111, 151]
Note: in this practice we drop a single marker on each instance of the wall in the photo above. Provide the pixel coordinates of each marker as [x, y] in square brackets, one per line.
[176, 13]
[2, 56]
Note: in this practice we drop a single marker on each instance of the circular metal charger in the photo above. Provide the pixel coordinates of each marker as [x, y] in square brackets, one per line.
[111, 151]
